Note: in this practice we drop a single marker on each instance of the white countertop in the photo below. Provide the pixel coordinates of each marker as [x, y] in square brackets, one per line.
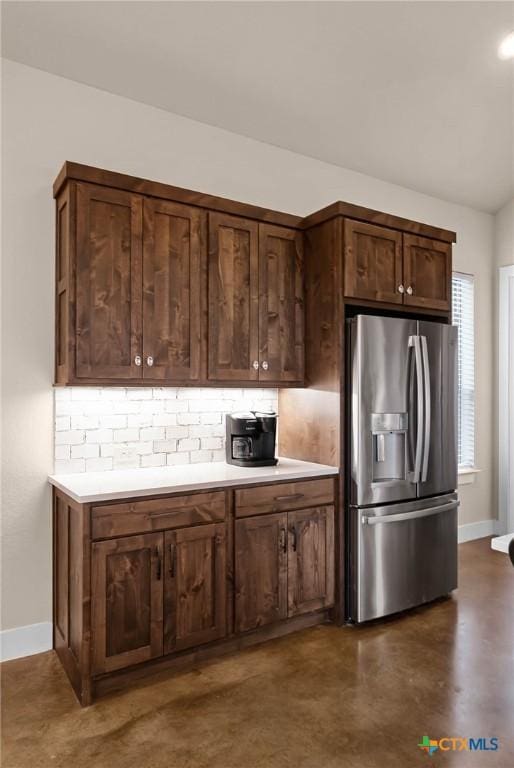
[85, 487]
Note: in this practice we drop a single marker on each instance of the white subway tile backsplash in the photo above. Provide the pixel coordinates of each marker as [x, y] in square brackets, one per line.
[84, 422]
[69, 437]
[99, 436]
[98, 464]
[153, 460]
[178, 458]
[165, 446]
[73, 465]
[124, 435]
[188, 444]
[152, 433]
[99, 429]
[85, 451]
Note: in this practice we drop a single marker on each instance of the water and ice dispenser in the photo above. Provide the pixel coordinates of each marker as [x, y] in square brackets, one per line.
[389, 435]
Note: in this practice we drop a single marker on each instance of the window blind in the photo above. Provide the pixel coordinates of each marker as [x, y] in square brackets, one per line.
[463, 316]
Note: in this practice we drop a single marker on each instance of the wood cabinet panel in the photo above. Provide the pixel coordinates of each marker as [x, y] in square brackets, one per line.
[372, 262]
[127, 601]
[172, 297]
[278, 497]
[123, 519]
[233, 291]
[427, 272]
[311, 565]
[260, 571]
[281, 312]
[195, 587]
[108, 283]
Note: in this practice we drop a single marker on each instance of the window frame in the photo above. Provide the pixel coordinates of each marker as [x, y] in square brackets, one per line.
[467, 467]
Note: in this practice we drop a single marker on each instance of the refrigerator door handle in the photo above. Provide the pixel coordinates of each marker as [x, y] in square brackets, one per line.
[414, 341]
[402, 516]
[427, 411]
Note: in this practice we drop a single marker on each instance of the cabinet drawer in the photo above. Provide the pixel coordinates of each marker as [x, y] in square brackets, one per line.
[122, 519]
[283, 496]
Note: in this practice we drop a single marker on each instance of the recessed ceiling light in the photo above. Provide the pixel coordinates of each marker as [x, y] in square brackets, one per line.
[506, 49]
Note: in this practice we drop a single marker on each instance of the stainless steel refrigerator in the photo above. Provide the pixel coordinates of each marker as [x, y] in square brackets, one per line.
[402, 544]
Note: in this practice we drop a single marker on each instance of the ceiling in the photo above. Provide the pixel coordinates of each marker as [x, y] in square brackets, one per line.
[409, 92]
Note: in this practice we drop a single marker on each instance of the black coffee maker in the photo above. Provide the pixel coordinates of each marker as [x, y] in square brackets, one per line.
[251, 439]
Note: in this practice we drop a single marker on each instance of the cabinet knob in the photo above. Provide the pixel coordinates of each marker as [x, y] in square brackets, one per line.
[401, 289]
[265, 365]
[137, 360]
[409, 290]
[255, 365]
[149, 361]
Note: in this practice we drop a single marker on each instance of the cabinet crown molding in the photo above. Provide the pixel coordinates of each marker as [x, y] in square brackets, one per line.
[93, 175]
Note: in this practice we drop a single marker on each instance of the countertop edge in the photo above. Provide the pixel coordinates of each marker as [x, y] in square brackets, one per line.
[293, 474]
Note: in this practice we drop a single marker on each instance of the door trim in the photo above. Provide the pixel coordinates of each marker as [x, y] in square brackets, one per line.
[506, 398]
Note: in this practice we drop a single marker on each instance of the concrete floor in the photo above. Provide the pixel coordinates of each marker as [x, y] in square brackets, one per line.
[323, 698]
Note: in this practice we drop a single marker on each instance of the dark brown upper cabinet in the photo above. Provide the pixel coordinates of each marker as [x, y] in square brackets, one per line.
[385, 265]
[233, 340]
[427, 272]
[255, 302]
[373, 263]
[108, 283]
[281, 312]
[173, 247]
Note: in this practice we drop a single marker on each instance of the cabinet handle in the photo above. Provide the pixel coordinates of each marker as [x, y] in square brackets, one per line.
[255, 365]
[283, 540]
[265, 365]
[138, 360]
[401, 288]
[289, 497]
[409, 290]
[173, 559]
[159, 563]
[293, 531]
[149, 361]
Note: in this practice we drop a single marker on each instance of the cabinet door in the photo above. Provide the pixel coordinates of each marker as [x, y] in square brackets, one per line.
[108, 283]
[233, 299]
[196, 590]
[281, 319]
[172, 259]
[373, 262]
[311, 564]
[260, 571]
[126, 601]
[428, 272]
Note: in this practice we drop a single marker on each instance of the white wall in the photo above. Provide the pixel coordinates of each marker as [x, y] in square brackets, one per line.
[47, 120]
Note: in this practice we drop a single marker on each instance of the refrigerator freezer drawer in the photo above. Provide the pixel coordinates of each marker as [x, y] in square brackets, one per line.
[402, 555]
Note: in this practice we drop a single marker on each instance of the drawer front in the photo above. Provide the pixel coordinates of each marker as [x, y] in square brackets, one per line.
[123, 519]
[279, 497]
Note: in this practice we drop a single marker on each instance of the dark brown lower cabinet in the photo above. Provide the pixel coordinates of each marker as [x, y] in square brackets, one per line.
[127, 601]
[162, 582]
[261, 571]
[310, 564]
[284, 566]
[195, 586]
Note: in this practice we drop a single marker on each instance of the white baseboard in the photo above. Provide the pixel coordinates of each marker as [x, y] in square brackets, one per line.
[25, 641]
[480, 530]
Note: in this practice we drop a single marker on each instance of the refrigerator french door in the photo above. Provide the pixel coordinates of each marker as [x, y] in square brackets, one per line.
[403, 455]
